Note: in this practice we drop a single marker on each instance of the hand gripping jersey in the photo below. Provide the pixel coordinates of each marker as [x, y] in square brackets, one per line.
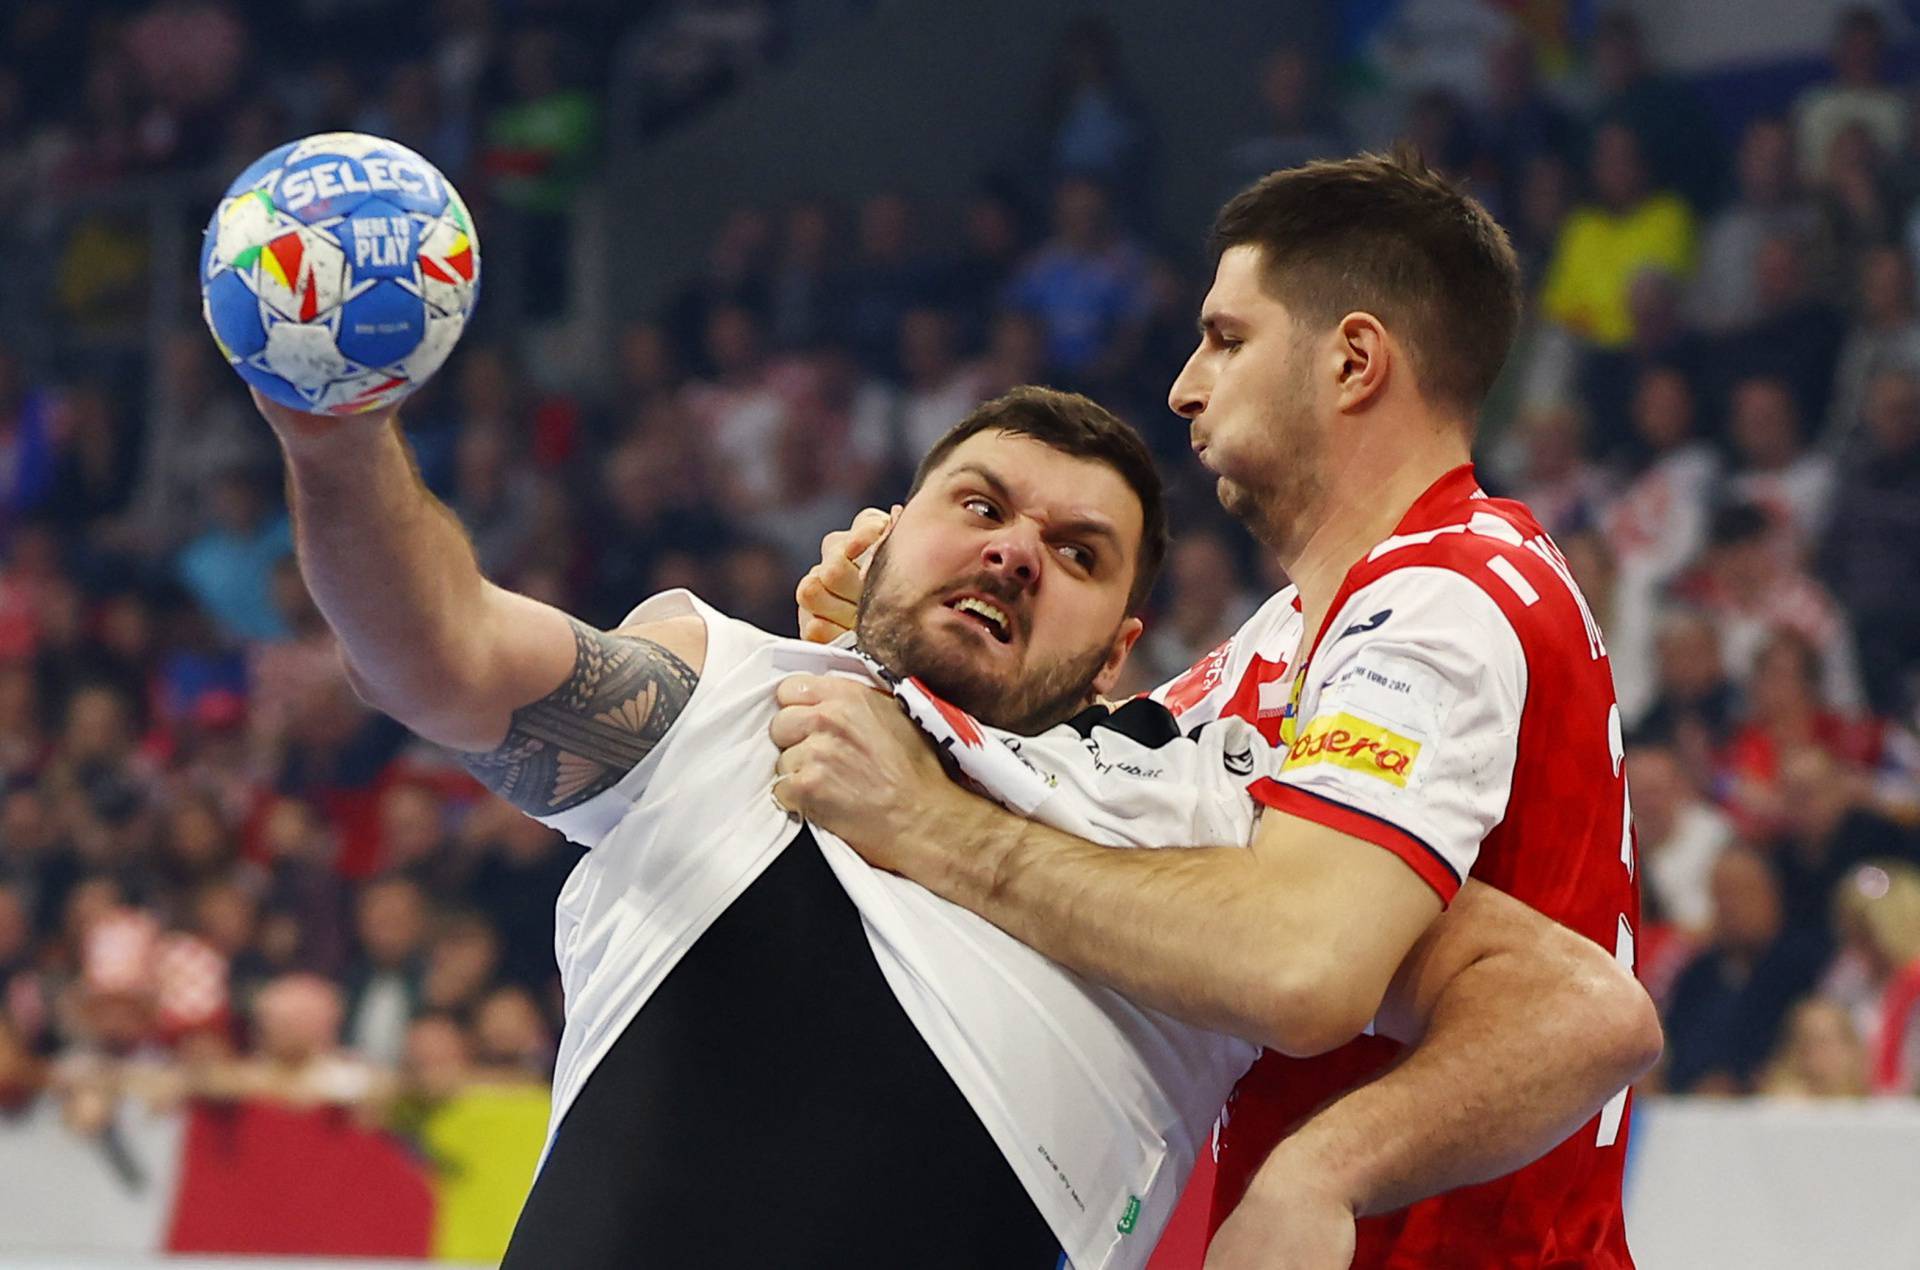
[1099, 1106]
[1456, 709]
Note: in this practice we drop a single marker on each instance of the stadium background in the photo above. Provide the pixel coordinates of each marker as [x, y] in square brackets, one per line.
[274, 979]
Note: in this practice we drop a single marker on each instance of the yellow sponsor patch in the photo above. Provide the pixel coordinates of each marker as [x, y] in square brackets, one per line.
[1357, 745]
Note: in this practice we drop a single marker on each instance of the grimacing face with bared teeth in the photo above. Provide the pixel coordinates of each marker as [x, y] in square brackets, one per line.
[1003, 583]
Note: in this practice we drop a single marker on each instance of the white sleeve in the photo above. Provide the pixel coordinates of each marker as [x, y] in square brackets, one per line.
[1409, 722]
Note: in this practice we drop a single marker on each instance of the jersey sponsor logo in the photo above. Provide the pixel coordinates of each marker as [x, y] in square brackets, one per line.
[1346, 741]
[1371, 624]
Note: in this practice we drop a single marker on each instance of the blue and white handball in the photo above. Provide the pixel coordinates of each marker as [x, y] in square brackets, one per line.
[338, 273]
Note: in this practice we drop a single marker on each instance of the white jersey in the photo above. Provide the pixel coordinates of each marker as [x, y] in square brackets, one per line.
[1099, 1106]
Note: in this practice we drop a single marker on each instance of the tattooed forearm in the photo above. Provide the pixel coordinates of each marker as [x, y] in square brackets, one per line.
[623, 695]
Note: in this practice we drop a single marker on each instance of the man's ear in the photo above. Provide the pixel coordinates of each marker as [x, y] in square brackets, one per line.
[1365, 360]
[1123, 641]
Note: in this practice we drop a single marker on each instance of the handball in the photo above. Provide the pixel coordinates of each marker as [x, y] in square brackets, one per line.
[338, 272]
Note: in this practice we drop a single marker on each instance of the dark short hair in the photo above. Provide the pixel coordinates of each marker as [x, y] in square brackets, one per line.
[1082, 427]
[1386, 234]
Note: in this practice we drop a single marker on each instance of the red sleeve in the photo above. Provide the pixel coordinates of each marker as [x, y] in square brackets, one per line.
[1421, 858]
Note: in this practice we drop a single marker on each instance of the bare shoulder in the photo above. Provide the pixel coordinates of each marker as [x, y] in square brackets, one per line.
[626, 689]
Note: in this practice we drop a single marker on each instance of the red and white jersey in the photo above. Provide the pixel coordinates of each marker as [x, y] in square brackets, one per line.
[1457, 709]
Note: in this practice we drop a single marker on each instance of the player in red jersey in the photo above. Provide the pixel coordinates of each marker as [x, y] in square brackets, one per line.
[1449, 711]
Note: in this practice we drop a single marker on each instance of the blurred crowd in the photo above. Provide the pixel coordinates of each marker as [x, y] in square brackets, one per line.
[220, 875]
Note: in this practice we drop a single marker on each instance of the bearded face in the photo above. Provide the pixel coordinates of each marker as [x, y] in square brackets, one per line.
[1004, 584]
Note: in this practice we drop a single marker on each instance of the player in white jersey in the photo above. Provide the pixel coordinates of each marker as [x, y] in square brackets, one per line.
[776, 1054]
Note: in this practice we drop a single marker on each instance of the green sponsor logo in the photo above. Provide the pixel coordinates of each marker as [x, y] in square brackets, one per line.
[1131, 1217]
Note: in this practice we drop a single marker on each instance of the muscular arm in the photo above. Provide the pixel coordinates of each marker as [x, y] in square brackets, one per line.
[1291, 941]
[545, 710]
[1524, 1029]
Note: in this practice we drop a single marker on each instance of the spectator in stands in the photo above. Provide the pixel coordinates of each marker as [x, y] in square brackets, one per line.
[1657, 526]
[414, 837]
[520, 867]
[1207, 600]
[297, 1056]
[888, 275]
[1751, 588]
[1680, 836]
[1542, 198]
[496, 495]
[1016, 352]
[1629, 226]
[1785, 712]
[1774, 468]
[645, 518]
[1087, 285]
[1885, 336]
[1724, 1017]
[26, 443]
[1675, 131]
[647, 369]
[799, 282]
[195, 848]
[1298, 126]
[384, 983]
[1868, 557]
[1091, 121]
[16, 954]
[1856, 208]
[1858, 95]
[228, 568]
[993, 241]
[463, 962]
[1821, 1057]
[690, 51]
[1695, 701]
[1795, 336]
[1609, 377]
[537, 149]
[93, 464]
[22, 1073]
[226, 916]
[1520, 121]
[1768, 203]
[438, 1062]
[413, 110]
[756, 581]
[511, 1037]
[734, 276]
[1877, 975]
[1563, 488]
[1438, 127]
[939, 388]
[1827, 824]
[740, 411]
[303, 895]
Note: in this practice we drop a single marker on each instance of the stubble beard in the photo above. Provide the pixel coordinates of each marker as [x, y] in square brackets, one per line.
[892, 630]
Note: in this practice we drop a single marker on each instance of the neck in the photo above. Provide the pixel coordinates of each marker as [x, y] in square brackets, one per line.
[1367, 494]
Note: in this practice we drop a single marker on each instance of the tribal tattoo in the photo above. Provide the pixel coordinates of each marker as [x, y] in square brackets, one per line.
[578, 740]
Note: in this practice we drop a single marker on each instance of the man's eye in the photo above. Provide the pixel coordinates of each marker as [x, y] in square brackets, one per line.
[982, 508]
[1079, 555]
